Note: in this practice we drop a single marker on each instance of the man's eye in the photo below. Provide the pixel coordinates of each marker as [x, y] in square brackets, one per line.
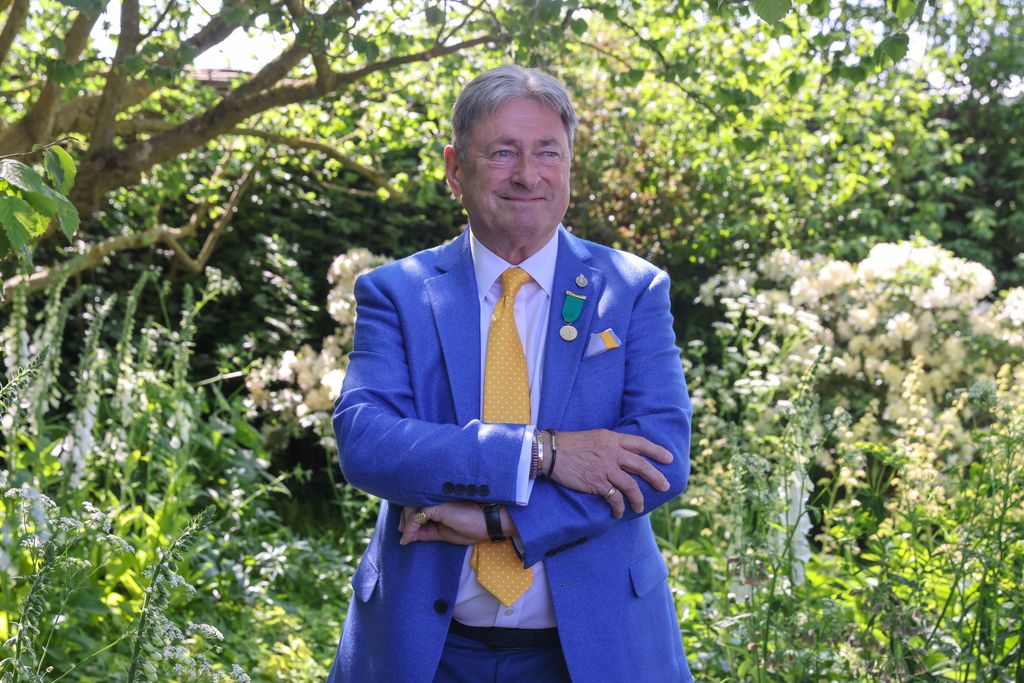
[550, 155]
[502, 154]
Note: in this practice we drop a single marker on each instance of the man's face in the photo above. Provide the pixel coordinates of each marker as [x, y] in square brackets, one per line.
[514, 177]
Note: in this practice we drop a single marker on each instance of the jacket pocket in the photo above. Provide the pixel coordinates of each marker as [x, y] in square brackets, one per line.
[364, 581]
[647, 573]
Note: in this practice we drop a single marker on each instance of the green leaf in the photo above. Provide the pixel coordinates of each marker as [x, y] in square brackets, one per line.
[366, 48]
[771, 10]
[895, 47]
[630, 78]
[236, 13]
[67, 216]
[795, 81]
[61, 169]
[818, 8]
[904, 9]
[435, 16]
[19, 221]
[578, 26]
[21, 176]
[89, 7]
[42, 203]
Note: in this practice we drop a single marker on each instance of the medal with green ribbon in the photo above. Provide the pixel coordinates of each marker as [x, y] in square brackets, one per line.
[571, 309]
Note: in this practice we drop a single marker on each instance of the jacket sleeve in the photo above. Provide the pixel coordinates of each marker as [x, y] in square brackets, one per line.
[655, 405]
[385, 450]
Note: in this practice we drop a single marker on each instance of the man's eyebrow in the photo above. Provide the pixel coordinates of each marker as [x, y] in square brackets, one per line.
[548, 142]
[515, 142]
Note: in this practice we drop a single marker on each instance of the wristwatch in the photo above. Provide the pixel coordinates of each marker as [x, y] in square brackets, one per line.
[492, 517]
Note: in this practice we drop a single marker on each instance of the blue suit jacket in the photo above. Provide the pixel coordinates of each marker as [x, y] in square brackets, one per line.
[409, 431]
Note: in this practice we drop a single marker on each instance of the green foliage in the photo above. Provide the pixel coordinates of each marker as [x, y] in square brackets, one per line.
[28, 204]
[131, 435]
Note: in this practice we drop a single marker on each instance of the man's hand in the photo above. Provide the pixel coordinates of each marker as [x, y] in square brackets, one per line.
[453, 522]
[599, 460]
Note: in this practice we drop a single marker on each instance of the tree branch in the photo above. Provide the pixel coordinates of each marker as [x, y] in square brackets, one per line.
[159, 20]
[320, 63]
[74, 42]
[40, 280]
[79, 113]
[110, 101]
[371, 174]
[198, 263]
[159, 234]
[12, 27]
[116, 168]
[38, 122]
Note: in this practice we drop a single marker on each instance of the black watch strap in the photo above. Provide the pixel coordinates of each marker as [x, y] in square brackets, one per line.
[492, 517]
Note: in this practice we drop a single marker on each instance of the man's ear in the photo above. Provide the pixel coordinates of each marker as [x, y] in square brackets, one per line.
[452, 170]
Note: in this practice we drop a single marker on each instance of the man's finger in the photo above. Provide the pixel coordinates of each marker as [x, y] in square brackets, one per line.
[648, 449]
[615, 501]
[648, 472]
[629, 489]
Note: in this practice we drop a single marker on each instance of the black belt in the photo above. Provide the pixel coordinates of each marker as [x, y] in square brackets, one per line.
[498, 638]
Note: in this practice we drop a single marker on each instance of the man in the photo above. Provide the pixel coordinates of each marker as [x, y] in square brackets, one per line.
[516, 399]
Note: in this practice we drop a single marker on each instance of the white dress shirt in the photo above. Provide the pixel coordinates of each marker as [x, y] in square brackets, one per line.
[474, 606]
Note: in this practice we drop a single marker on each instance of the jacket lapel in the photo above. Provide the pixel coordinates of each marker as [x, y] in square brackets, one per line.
[562, 358]
[456, 308]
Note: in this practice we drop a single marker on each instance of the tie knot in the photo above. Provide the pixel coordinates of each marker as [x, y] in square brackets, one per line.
[512, 279]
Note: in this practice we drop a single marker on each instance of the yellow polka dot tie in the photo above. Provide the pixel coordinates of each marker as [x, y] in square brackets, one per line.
[506, 400]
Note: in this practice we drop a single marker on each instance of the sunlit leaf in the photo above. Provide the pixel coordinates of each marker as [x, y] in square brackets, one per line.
[895, 46]
[771, 10]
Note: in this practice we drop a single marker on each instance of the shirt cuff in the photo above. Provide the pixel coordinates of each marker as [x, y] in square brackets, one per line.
[524, 485]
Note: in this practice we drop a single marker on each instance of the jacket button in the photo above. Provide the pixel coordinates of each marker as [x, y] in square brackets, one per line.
[485, 490]
[460, 489]
[440, 606]
[471, 489]
[448, 487]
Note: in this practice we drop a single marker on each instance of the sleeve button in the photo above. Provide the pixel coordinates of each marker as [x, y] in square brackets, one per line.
[485, 490]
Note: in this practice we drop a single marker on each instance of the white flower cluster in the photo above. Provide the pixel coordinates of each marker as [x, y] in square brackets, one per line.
[301, 386]
[905, 300]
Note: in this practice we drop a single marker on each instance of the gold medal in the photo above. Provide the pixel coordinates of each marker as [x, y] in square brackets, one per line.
[568, 332]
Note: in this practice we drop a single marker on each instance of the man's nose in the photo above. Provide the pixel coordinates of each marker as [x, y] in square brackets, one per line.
[526, 171]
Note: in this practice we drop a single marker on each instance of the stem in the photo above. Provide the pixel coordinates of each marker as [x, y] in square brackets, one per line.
[94, 654]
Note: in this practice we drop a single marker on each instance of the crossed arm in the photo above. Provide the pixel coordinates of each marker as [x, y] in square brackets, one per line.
[571, 503]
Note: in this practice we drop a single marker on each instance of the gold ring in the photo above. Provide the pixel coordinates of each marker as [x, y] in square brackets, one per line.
[420, 518]
[611, 492]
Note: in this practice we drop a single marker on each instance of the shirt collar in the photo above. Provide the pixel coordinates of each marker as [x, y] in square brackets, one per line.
[488, 266]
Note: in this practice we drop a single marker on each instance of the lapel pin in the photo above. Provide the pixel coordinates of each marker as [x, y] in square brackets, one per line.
[581, 280]
[572, 306]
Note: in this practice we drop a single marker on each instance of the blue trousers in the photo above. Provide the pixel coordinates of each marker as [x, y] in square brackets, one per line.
[467, 661]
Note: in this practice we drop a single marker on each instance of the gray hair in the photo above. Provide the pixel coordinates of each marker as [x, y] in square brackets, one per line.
[493, 88]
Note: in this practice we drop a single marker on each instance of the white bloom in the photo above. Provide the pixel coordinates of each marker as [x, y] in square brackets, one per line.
[901, 326]
[834, 276]
[804, 291]
[865, 318]
[333, 381]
